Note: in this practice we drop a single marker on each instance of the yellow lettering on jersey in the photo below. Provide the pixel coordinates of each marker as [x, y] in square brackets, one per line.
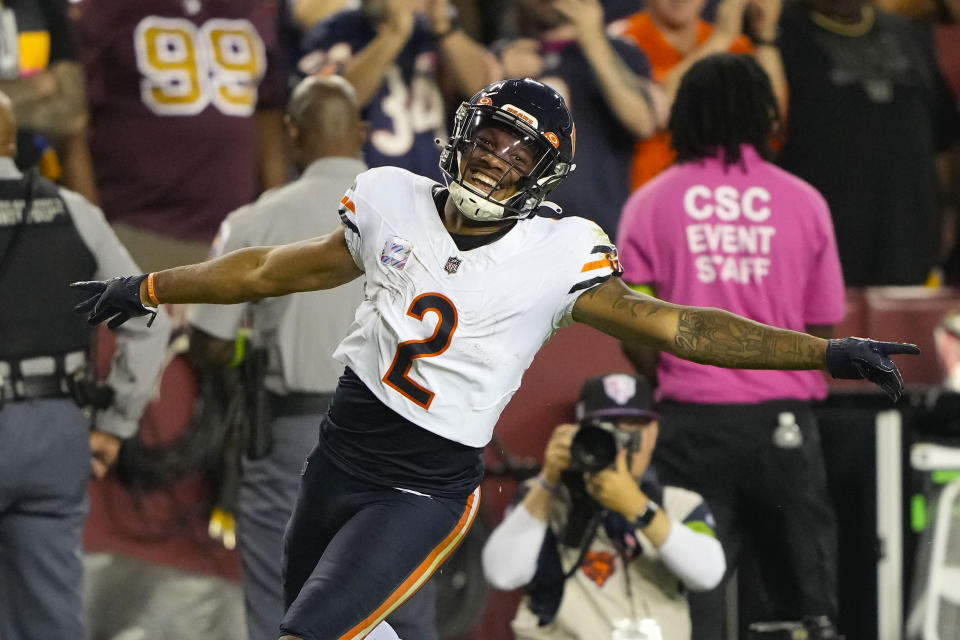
[184, 69]
[167, 58]
[238, 60]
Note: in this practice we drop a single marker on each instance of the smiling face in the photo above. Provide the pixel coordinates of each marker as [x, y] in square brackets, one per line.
[496, 162]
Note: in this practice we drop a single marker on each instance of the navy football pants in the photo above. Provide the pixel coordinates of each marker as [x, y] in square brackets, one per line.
[355, 551]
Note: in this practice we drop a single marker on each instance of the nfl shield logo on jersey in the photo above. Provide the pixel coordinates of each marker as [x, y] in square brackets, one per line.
[395, 252]
[453, 263]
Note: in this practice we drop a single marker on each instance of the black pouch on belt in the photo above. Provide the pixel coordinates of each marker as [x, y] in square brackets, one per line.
[260, 435]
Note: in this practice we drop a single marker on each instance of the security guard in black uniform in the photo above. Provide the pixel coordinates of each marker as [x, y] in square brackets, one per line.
[47, 448]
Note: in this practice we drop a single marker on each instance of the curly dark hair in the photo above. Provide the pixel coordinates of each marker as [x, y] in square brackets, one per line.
[724, 101]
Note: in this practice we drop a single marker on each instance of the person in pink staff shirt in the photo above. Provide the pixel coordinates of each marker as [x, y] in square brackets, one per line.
[726, 228]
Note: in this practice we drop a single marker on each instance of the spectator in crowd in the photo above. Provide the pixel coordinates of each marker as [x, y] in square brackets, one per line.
[186, 123]
[327, 137]
[606, 84]
[402, 57]
[876, 153]
[947, 338]
[48, 446]
[726, 228]
[616, 552]
[674, 36]
[40, 75]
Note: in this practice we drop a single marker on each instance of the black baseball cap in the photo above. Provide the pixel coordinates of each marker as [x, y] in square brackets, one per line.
[615, 395]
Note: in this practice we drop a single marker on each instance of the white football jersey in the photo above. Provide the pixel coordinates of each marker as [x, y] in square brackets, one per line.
[443, 336]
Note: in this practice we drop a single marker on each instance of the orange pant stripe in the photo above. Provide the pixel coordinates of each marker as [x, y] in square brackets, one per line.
[421, 574]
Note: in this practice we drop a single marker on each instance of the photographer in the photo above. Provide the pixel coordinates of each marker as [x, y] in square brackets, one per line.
[572, 533]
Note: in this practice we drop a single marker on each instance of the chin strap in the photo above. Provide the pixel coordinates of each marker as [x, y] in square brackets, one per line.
[553, 206]
[480, 209]
[474, 206]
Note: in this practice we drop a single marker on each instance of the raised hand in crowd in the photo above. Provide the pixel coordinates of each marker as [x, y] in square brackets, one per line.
[728, 23]
[438, 12]
[401, 16]
[587, 15]
[764, 19]
[626, 93]
[521, 59]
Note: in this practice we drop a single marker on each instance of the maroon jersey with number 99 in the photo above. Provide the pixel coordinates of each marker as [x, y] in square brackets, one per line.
[173, 87]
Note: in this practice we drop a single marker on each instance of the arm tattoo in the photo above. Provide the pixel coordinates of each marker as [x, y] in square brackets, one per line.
[623, 302]
[726, 340]
[636, 307]
[699, 334]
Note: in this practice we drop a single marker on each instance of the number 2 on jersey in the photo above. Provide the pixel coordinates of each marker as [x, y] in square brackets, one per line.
[436, 344]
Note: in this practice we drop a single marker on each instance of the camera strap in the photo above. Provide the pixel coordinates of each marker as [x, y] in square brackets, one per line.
[588, 533]
[626, 576]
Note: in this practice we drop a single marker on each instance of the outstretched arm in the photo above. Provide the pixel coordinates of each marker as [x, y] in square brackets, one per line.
[259, 272]
[240, 276]
[700, 334]
[716, 337]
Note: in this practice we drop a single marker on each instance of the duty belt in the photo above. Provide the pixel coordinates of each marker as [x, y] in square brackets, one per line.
[33, 388]
[38, 377]
[298, 404]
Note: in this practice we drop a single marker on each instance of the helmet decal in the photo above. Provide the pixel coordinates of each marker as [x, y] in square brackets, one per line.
[520, 113]
[552, 137]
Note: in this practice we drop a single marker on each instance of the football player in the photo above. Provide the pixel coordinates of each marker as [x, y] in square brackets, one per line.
[463, 285]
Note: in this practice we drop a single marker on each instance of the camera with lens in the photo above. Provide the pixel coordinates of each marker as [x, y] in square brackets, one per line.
[596, 445]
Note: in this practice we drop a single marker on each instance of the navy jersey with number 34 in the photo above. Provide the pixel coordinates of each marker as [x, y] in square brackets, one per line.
[407, 112]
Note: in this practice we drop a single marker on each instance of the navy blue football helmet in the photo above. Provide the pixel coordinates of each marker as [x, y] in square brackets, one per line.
[535, 156]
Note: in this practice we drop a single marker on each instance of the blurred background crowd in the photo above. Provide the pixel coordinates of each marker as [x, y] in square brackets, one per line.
[169, 115]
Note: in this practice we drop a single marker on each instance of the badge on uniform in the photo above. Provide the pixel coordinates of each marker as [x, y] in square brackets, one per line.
[395, 252]
[453, 263]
